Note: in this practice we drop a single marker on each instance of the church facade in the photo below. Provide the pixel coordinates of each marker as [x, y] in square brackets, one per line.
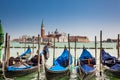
[60, 37]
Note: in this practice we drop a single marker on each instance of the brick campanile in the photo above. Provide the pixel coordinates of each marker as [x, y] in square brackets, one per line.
[42, 30]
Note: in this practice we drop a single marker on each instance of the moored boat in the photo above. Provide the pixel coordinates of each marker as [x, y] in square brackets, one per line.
[26, 54]
[110, 63]
[18, 68]
[86, 69]
[60, 68]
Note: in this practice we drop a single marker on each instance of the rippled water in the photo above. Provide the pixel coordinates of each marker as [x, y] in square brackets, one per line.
[58, 51]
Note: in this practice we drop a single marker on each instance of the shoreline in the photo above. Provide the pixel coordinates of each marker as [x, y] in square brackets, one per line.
[62, 47]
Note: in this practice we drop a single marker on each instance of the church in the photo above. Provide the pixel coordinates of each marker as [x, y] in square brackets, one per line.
[59, 37]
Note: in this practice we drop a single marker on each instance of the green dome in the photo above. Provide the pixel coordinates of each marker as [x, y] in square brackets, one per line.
[1, 34]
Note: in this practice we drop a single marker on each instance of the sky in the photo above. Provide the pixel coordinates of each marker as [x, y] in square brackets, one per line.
[76, 17]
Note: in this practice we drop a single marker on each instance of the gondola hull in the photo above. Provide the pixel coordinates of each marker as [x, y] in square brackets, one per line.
[18, 73]
[52, 75]
[86, 69]
[111, 64]
[116, 73]
[85, 76]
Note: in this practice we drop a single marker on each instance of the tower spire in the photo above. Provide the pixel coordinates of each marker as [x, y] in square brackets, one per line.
[42, 24]
[42, 30]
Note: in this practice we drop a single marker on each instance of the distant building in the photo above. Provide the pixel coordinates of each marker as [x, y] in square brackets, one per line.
[59, 37]
[78, 39]
[110, 40]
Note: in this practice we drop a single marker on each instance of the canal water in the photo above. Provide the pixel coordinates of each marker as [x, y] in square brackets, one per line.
[109, 47]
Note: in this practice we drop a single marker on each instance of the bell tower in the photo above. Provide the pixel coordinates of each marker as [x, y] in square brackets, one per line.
[42, 30]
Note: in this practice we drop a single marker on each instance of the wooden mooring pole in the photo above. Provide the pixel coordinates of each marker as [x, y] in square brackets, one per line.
[101, 53]
[25, 45]
[38, 57]
[8, 51]
[54, 51]
[118, 45]
[95, 47]
[5, 55]
[75, 53]
[33, 38]
[69, 50]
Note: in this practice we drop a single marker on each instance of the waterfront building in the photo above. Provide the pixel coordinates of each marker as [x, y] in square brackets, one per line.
[59, 37]
[79, 39]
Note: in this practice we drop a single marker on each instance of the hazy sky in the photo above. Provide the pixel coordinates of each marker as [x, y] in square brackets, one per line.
[77, 17]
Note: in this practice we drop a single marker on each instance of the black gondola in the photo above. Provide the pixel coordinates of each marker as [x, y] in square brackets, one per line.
[111, 63]
[21, 68]
[60, 68]
[86, 69]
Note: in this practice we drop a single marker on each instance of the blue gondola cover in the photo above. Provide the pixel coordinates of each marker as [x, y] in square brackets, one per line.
[87, 68]
[63, 59]
[13, 68]
[85, 55]
[57, 67]
[115, 67]
[28, 51]
[107, 56]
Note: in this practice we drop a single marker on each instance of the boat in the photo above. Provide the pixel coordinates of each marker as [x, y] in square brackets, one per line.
[15, 66]
[21, 72]
[107, 59]
[110, 63]
[60, 67]
[26, 54]
[18, 68]
[86, 65]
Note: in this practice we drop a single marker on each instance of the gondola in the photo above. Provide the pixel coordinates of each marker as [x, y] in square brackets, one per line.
[19, 68]
[86, 69]
[110, 63]
[60, 67]
[26, 54]
[22, 72]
